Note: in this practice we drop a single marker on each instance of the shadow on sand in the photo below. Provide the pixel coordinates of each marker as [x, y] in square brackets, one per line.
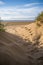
[16, 51]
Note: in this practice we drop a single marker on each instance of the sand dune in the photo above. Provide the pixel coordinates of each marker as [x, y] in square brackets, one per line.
[21, 45]
[27, 32]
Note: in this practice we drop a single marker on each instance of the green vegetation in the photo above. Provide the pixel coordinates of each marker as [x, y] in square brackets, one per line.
[2, 27]
[39, 19]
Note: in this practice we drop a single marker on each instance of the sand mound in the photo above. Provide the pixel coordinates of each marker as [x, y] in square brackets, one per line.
[21, 45]
[27, 32]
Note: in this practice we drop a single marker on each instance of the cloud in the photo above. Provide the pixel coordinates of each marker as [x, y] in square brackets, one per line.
[31, 4]
[1, 2]
[18, 13]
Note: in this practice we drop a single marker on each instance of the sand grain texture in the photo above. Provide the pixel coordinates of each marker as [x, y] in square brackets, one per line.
[21, 45]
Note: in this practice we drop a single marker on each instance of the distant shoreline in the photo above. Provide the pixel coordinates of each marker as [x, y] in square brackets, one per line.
[17, 20]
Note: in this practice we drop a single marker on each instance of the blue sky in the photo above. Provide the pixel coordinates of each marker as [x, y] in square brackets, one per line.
[20, 9]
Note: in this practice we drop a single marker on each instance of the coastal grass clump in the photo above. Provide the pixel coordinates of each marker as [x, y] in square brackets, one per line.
[2, 27]
[39, 19]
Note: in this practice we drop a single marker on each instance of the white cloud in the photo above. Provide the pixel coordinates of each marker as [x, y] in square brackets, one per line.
[15, 13]
[31, 4]
[1, 2]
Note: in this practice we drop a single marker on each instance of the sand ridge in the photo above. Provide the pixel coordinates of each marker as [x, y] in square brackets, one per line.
[21, 45]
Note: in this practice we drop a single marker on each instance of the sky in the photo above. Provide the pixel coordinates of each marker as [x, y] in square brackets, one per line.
[20, 9]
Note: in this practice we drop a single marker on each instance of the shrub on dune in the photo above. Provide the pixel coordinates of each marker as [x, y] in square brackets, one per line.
[39, 19]
[2, 27]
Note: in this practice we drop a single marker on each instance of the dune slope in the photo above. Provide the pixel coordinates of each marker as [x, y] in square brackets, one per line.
[21, 45]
